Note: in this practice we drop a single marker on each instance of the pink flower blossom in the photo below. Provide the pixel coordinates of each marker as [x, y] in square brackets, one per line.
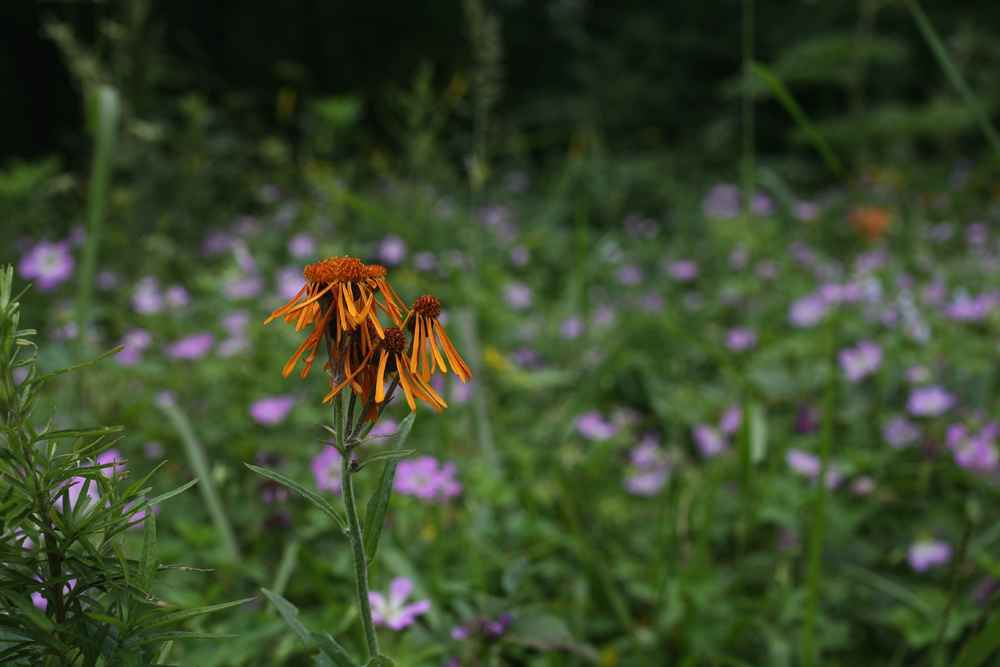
[710, 440]
[860, 361]
[929, 401]
[572, 327]
[50, 264]
[194, 346]
[392, 250]
[900, 432]
[518, 296]
[741, 339]
[592, 426]
[683, 270]
[272, 410]
[301, 246]
[425, 477]
[808, 311]
[325, 468]
[808, 465]
[926, 554]
[392, 612]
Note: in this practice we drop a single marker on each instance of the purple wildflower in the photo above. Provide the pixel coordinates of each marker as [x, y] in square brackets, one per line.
[272, 410]
[683, 270]
[216, 243]
[301, 246]
[424, 477]
[732, 419]
[860, 361]
[630, 275]
[762, 205]
[900, 432]
[572, 327]
[739, 258]
[592, 426]
[106, 280]
[863, 486]
[392, 250]
[765, 269]
[136, 341]
[424, 261]
[931, 401]
[926, 554]
[741, 339]
[289, 280]
[49, 263]
[722, 202]
[973, 451]
[808, 465]
[518, 296]
[392, 612]
[970, 309]
[808, 311]
[146, 297]
[807, 211]
[243, 288]
[710, 440]
[326, 470]
[194, 346]
[652, 303]
[176, 297]
[648, 483]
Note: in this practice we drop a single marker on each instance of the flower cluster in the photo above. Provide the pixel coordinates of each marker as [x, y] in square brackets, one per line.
[340, 301]
[975, 451]
[652, 467]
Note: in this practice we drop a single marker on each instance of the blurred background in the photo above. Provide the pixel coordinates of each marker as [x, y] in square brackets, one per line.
[694, 254]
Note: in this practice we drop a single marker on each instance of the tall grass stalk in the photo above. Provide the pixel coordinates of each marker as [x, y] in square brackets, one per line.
[748, 177]
[198, 460]
[954, 77]
[809, 654]
[106, 109]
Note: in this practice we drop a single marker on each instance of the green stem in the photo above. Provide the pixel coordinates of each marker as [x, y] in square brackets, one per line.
[816, 536]
[357, 545]
[748, 121]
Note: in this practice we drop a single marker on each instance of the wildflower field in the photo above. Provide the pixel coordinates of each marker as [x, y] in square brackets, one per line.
[405, 376]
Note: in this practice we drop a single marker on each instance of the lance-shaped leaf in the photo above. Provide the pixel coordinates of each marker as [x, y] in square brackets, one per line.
[382, 456]
[78, 432]
[28, 608]
[189, 613]
[332, 650]
[165, 636]
[170, 494]
[290, 613]
[148, 562]
[317, 500]
[378, 504]
[46, 376]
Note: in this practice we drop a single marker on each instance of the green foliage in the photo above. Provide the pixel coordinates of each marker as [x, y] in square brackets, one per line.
[69, 592]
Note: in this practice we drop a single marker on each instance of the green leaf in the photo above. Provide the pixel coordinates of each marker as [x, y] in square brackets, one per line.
[982, 647]
[380, 661]
[148, 561]
[189, 613]
[313, 497]
[758, 432]
[104, 618]
[378, 504]
[29, 609]
[170, 494]
[161, 655]
[382, 456]
[78, 432]
[782, 94]
[331, 649]
[290, 613]
[46, 376]
[164, 636]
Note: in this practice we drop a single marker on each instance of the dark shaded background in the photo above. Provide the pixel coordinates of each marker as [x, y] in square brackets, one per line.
[623, 67]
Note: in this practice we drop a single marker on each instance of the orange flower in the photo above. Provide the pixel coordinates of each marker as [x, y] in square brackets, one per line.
[392, 359]
[346, 288]
[869, 221]
[425, 325]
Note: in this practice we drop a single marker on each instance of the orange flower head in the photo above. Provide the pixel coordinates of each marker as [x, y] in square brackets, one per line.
[869, 221]
[429, 336]
[339, 296]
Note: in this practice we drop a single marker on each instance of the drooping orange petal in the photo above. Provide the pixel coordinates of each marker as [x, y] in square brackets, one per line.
[457, 365]
[380, 377]
[288, 306]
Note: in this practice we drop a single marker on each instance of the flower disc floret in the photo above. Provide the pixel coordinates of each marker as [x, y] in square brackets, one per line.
[395, 340]
[428, 306]
[343, 270]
